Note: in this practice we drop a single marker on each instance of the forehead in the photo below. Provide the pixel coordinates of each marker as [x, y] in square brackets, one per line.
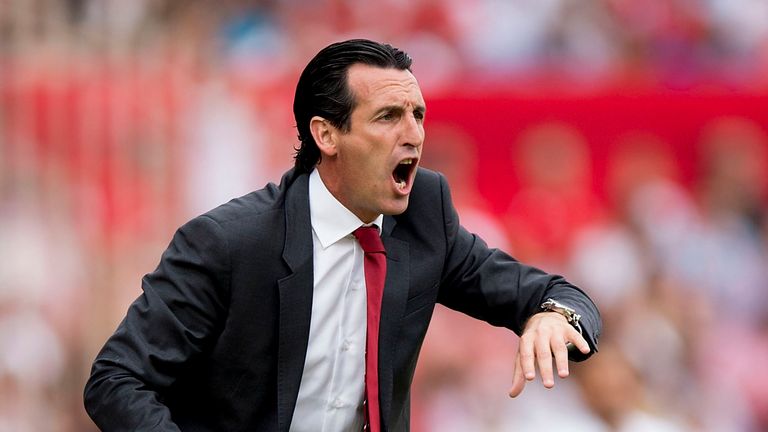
[375, 85]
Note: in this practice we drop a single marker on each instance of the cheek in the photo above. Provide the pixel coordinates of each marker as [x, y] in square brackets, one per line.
[368, 157]
[373, 162]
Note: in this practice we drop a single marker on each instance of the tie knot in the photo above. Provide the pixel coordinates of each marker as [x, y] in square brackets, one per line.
[369, 239]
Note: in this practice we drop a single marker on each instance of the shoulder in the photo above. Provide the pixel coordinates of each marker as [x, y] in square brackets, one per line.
[430, 191]
[261, 208]
[427, 177]
[428, 185]
[429, 198]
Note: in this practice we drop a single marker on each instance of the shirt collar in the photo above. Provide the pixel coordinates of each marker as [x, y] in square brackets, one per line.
[331, 221]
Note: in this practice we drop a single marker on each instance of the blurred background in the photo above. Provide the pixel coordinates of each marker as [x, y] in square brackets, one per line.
[620, 143]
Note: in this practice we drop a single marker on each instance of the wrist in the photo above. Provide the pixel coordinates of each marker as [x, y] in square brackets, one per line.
[569, 313]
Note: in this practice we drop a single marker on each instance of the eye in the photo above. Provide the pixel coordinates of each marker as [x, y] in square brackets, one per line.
[388, 116]
[418, 115]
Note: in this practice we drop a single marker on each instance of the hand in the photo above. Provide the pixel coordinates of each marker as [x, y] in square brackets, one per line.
[545, 335]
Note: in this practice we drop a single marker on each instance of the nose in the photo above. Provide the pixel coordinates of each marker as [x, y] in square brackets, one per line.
[413, 133]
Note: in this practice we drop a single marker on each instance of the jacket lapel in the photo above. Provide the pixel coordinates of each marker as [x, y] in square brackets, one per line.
[392, 310]
[295, 299]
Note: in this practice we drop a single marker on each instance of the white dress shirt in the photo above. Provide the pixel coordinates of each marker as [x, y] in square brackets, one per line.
[331, 391]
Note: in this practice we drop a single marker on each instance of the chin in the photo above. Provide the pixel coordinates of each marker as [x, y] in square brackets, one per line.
[396, 208]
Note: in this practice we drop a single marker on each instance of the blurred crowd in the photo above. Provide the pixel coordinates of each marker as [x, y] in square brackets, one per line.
[680, 273]
[121, 120]
[677, 43]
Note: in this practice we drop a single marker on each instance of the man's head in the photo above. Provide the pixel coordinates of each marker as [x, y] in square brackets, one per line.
[323, 89]
[359, 113]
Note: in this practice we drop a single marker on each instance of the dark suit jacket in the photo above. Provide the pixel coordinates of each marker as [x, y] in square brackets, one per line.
[217, 340]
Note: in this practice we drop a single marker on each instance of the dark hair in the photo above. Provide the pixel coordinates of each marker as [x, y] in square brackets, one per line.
[323, 90]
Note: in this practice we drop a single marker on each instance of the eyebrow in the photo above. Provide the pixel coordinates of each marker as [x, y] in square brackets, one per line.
[399, 109]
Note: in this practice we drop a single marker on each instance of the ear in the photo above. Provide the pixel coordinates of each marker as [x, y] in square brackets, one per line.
[324, 134]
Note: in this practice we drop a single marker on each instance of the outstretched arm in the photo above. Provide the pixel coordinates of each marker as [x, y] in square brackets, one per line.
[490, 285]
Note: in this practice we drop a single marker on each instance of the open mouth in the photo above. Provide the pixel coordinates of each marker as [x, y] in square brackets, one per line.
[402, 172]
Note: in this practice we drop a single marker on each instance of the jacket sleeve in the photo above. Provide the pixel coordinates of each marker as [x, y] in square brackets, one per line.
[176, 318]
[490, 285]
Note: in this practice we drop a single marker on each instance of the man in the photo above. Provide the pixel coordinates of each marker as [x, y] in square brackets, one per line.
[255, 318]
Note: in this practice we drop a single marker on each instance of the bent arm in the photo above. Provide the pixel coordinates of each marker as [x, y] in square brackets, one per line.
[176, 318]
[490, 285]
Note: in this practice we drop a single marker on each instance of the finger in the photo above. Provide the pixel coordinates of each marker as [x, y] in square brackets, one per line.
[560, 351]
[518, 380]
[544, 360]
[526, 357]
[577, 339]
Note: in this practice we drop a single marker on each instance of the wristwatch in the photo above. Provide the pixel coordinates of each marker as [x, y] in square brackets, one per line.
[569, 313]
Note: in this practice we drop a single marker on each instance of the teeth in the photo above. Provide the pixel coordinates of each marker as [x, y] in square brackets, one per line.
[407, 162]
[400, 184]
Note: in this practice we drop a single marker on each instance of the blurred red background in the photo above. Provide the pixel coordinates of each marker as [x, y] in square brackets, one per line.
[619, 144]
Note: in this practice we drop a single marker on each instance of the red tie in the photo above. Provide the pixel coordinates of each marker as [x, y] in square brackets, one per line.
[375, 261]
